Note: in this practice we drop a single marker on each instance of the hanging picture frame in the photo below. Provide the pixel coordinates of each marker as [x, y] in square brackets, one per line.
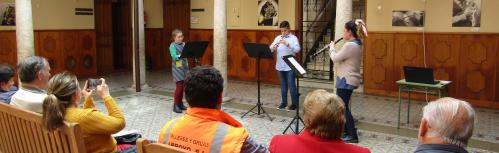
[466, 13]
[7, 14]
[268, 12]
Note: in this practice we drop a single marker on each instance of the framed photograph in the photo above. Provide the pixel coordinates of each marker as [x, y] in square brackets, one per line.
[466, 13]
[7, 14]
[268, 12]
[405, 18]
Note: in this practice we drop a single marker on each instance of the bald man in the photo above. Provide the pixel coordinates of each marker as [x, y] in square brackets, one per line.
[446, 126]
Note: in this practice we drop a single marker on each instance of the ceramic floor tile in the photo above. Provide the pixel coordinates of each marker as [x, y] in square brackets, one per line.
[147, 112]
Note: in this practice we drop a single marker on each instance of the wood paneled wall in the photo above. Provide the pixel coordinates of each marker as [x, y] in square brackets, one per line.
[8, 48]
[240, 65]
[70, 50]
[470, 61]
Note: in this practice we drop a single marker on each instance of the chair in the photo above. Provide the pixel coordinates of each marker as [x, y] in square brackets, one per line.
[143, 146]
[22, 131]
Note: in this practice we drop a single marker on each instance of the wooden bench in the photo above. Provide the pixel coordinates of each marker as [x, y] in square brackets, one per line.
[21, 131]
[143, 146]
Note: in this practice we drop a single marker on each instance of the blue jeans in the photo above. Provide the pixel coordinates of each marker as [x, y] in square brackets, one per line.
[287, 79]
[345, 95]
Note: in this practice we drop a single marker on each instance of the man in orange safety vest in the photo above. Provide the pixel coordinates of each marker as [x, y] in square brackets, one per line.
[205, 128]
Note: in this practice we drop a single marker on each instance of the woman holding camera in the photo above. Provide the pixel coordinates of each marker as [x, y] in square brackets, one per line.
[63, 104]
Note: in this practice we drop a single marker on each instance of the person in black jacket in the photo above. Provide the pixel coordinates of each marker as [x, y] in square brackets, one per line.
[446, 126]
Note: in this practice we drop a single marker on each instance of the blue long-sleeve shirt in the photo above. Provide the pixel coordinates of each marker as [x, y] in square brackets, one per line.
[283, 50]
[5, 96]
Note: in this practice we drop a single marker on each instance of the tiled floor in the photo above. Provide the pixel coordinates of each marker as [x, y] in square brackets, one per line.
[149, 110]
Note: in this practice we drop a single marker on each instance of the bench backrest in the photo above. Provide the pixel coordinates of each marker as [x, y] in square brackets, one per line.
[143, 146]
[22, 131]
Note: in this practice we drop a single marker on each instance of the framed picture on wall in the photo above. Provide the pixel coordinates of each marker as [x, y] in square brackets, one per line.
[7, 14]
[405, 18]
[268, 12]
[466, 13]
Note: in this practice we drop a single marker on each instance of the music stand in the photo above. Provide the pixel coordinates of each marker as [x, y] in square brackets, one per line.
[258, 51]
[194, 49]
[299, 72]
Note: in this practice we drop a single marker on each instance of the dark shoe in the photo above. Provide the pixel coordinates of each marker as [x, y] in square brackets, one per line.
[350, 139]
[344, 135]
[176, 109]
[292, 107]
[282, 106]
[182, 106]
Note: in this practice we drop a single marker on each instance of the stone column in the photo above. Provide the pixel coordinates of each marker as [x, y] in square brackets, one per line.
[24, 29]
[343, 15]
[220, 39]
[141, 37]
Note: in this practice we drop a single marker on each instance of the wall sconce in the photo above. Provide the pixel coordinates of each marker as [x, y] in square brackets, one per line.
[379, 7]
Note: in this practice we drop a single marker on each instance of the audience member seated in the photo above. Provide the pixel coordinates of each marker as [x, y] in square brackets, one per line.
[446, 126]
[204, 127]
[62, 104]
[34, 73]
[324, 122]
[7, 88]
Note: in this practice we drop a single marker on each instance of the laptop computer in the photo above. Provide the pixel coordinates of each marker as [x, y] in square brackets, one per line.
[419, 75]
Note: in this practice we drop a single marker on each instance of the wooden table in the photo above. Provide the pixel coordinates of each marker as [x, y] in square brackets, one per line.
[440, 89]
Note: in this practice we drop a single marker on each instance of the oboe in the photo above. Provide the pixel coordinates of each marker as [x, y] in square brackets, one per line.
[325, 47]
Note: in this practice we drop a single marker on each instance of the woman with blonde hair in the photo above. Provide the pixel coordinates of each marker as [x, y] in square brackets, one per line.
[63, 104]
[323, 114]
[348, 60]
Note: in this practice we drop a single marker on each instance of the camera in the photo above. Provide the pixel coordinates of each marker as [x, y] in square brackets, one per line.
[93, 83]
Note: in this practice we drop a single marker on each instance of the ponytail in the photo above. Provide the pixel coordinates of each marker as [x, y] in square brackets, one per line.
[53, 113]
[361, 29]
[358, 28]
[62, 88]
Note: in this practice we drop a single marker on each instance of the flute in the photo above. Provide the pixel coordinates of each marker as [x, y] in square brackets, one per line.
[324, 49]
[277, 44]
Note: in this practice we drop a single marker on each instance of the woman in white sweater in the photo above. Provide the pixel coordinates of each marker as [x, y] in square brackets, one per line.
[348, 60]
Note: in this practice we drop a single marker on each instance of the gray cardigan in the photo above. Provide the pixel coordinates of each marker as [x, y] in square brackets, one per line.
[348, 60]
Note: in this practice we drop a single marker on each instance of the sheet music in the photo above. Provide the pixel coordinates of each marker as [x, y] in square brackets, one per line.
[444, 81]
[297, 65]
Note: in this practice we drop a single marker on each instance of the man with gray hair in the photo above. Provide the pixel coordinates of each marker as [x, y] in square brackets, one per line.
[34, 74]
[446, 126]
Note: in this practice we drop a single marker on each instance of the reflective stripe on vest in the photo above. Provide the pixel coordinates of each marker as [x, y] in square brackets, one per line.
[168, 130]
[218, 139]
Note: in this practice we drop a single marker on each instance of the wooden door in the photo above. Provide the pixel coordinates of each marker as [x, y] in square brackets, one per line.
[104, 34]
[176, 15]
[123, 34]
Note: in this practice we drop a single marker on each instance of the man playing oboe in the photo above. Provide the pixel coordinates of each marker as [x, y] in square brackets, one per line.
[286, 44]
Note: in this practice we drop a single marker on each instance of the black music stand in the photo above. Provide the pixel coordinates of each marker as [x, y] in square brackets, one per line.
[258, 51]
[194, 49]
[299, 72]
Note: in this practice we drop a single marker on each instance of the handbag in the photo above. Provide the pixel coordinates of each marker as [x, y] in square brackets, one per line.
[130, 138]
